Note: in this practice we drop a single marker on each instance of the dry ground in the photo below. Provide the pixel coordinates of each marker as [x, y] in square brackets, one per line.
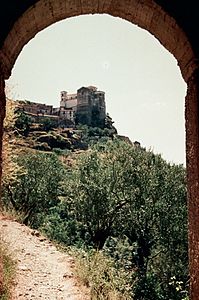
[43, 272]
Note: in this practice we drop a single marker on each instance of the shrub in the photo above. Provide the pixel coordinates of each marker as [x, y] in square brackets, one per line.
[23, 122]
[37, 189]
[48, 124]
[98, 272]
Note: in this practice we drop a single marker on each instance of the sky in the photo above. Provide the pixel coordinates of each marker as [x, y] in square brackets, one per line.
[143, 85]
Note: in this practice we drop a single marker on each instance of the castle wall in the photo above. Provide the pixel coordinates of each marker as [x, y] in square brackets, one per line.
[91, 109]
[37, 108]
[87, 106]
[68, 100]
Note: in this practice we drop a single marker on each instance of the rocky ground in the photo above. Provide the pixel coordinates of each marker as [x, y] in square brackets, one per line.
[43, 272]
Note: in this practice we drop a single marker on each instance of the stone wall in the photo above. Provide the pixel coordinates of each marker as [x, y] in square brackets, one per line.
[192, 151]
[91, 108]
[2, 115]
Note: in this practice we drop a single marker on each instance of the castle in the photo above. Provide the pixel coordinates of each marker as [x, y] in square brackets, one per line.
[87, 106]
[84, 107]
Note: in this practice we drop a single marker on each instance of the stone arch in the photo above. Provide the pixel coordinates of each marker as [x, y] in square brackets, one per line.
[150, 16]
[146, 14]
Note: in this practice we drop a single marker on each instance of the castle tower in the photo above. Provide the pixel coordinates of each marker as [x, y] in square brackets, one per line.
[68, 105]
[91, 109]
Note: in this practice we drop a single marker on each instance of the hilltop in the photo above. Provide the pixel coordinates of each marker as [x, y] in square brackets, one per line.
[44, 133]
[79, 120]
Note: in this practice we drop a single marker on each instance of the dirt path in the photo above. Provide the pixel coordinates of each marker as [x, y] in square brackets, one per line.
[42, 271]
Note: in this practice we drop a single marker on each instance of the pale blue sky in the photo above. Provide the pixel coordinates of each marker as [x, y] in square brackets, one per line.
[143, 85]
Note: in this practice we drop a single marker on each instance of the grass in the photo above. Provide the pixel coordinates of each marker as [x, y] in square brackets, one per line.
[97, 272]
[7, 268]
[11, 214]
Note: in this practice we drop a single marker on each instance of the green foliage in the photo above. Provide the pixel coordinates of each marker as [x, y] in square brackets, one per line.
[108, 124]
[48, 124]
[122, 252]
[59, 151]
[96, 192]
[120, 190]
[59, 225]
[156, 221]
[23, 122]
[93, 135]
[97, 271]
[37, 189]
[121, 200]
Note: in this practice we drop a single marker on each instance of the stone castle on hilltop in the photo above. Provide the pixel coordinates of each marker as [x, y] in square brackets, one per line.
[87, 106]
[84, 106]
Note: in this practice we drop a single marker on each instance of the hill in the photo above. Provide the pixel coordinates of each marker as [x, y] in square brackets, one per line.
[122, 207]
[43, 133]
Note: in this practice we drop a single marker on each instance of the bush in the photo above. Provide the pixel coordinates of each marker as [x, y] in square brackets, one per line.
[127, 203]
[48, 124]
[23, 122]
[37, 189]
[61, 227]
[118, 190]
[59, 151]
[98, 272]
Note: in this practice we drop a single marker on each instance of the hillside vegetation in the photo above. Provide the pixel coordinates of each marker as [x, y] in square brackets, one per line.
[119, 208]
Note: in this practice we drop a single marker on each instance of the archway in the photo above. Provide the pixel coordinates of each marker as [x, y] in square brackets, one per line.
[148, 15]
[145, 14]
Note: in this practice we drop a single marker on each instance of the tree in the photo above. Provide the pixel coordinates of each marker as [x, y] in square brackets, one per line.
[156, 223]
[37, 189]
[49, 124]
[118, 190]
[23, 122]
[96, 191]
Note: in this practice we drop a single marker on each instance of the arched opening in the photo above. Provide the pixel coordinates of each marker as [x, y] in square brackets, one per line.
[147, 15]
[141, 90]
[151, 17]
